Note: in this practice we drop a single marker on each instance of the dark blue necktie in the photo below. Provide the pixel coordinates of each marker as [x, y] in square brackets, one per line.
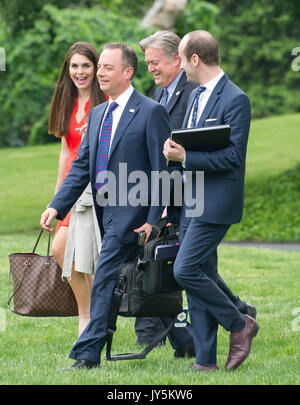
[195, 108]
[103, 146]
[164, 99]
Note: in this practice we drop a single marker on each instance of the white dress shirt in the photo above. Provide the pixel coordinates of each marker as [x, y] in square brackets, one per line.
[204, 96]
[172, 86]
[122, 100]
[203, 99]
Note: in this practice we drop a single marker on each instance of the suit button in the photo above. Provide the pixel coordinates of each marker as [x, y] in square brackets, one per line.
[105, 195]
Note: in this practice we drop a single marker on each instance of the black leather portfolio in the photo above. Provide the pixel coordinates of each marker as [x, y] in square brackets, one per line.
[205, 139]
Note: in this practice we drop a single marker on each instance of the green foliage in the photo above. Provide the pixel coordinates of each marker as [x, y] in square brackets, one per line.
[34, 60]
[257, 38]
[272, 191]
[131, 8]
[256, 42]
[198, 15]
[42, 33]
[270, 206]
[20, 15]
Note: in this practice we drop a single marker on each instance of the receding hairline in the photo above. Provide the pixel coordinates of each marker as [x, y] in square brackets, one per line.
[208, 46]
[199, 34]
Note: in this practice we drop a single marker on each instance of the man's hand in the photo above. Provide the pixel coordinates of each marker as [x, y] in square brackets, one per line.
[47, 217]
[174, 151]
[147, 228]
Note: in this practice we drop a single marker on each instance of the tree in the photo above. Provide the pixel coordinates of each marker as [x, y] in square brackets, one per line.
[34, 59]
[257, 38]
[163, 14]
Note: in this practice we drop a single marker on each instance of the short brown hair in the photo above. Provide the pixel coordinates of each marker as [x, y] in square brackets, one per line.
[129, 57]
[203, 44]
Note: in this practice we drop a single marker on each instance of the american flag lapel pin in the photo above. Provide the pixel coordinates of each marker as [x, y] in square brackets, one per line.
[131, 110]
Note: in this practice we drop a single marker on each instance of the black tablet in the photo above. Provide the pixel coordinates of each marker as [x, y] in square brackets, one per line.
[205, 139]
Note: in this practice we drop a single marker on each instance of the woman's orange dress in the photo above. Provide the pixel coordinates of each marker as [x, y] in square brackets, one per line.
[73, 141]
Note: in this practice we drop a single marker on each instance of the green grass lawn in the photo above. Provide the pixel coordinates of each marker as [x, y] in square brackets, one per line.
[274, 145]
[27, 182]
[272, 187]
[35, 350]
[272, 192]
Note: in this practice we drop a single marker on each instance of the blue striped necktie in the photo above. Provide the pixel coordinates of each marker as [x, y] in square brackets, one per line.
[164, 99]
[103, 146]
[195, 108]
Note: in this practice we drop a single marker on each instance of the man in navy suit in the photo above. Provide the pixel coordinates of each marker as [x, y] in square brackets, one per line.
[127, 133]
[163, 61]
[216, 101]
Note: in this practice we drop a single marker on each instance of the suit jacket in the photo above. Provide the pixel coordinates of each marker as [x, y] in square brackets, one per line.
[224, 170]
[177, 105]
[137, 145]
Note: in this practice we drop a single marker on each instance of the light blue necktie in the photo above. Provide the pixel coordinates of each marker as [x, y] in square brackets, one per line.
[195, 108]
[164, 99]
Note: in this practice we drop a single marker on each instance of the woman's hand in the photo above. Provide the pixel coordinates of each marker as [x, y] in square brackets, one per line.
[47, 217]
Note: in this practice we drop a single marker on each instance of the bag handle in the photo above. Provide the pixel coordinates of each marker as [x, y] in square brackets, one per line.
[27, 264]
[157, 228]
[38, 239]
[114, 310]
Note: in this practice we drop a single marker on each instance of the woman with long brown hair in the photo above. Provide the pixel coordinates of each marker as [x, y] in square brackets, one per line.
[76, 243]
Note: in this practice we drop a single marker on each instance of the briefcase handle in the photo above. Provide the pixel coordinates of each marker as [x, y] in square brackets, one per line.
[157, 228]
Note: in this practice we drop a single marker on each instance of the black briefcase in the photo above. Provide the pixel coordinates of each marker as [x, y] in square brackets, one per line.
[135, 298]
[147, 287]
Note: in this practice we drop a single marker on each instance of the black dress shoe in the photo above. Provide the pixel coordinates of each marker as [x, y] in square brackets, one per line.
[186, 351]
[83, 364]
[251, 310]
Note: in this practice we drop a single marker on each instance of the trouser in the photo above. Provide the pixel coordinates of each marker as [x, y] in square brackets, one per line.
[92, 340]
[113, 253]
[208, 305]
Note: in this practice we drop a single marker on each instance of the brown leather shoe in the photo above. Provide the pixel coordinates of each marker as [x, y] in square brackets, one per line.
[240, 343]
[198, 367]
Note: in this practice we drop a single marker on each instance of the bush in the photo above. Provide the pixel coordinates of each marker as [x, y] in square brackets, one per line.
[38, 40]
[256, 42]
[35, 58]
[270, 206]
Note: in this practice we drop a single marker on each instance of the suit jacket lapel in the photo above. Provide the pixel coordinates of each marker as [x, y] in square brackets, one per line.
[189, 108]
[175, 96]
[129, 112]
[212, 100]
[177, 92]
[158, 94]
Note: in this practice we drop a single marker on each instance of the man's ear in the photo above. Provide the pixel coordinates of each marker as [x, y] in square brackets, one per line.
[177, 60]
[128, 73]
[195, 60]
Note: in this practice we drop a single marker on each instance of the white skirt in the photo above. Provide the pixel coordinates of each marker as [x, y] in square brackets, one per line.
[83, 240]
